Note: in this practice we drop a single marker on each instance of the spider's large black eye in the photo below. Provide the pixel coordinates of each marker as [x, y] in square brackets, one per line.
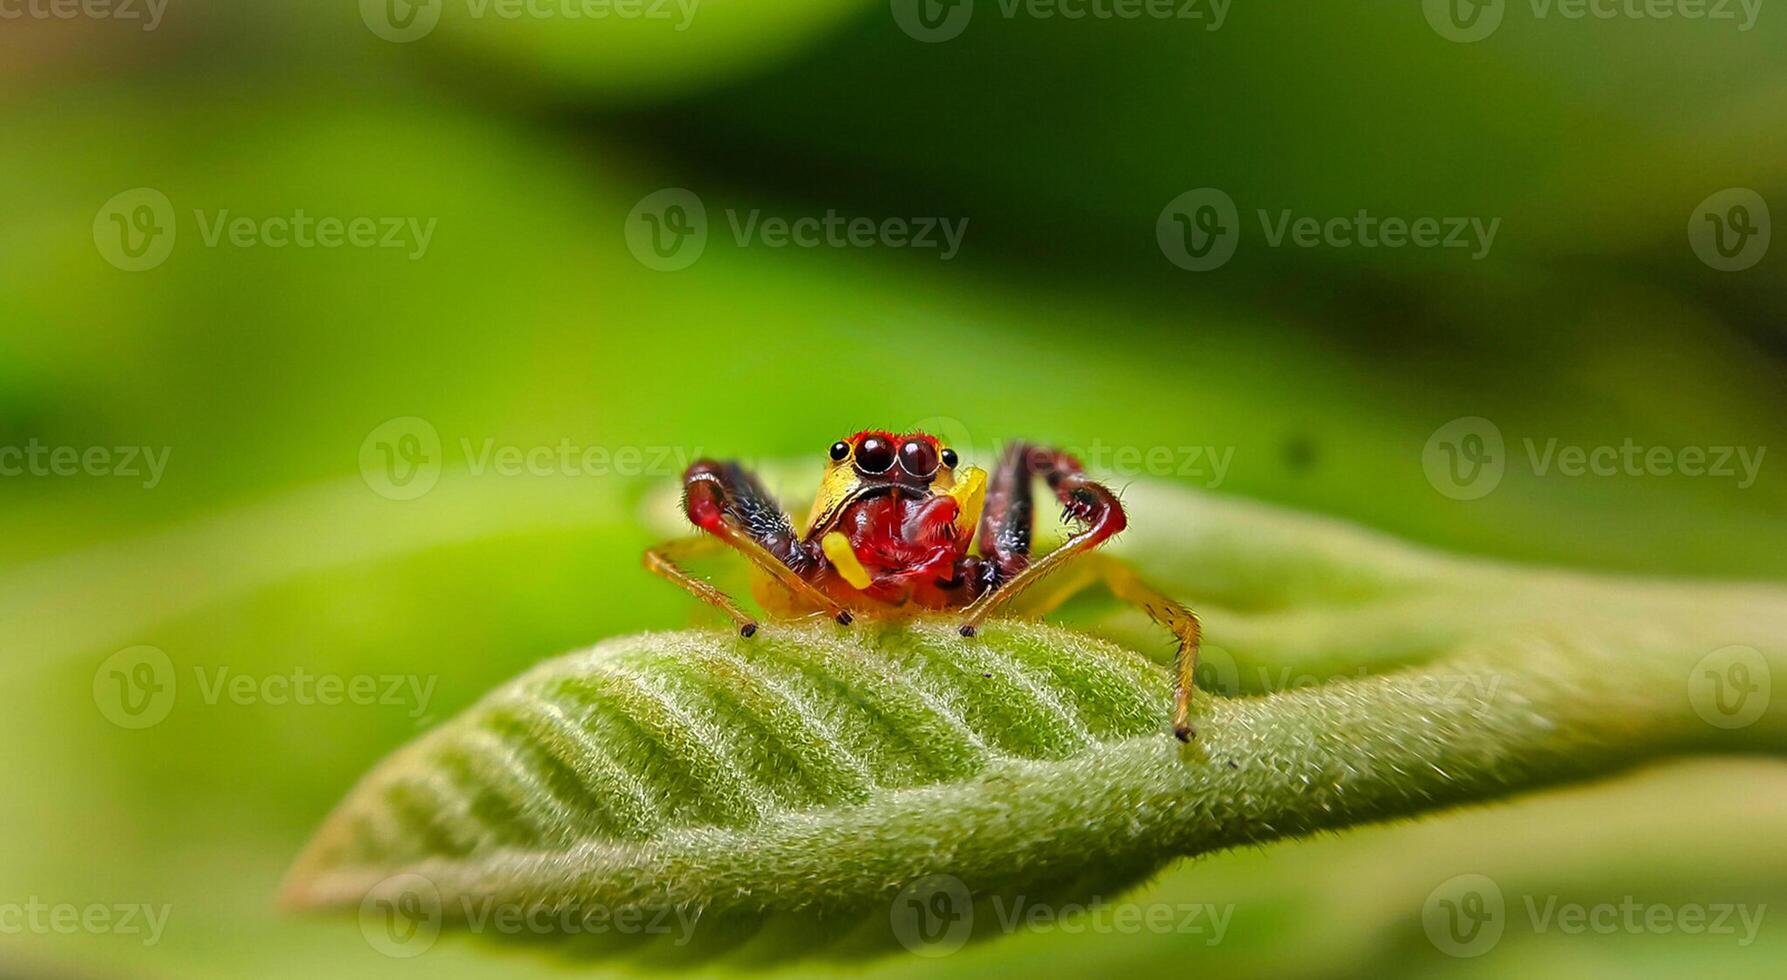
[918, 457]
[839, 450]
[950, 459]
[874, 455]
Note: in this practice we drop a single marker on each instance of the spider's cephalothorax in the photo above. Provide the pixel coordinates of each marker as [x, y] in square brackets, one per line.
[901, 526]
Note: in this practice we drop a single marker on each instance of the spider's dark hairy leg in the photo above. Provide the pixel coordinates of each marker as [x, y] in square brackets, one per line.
[1005, 538]
[1007, 523]
[1090, 504]
[975, 576]
[727, 501]
[1005, 520]
[724, 494]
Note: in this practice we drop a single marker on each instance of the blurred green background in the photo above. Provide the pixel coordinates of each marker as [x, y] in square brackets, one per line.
[276, 540]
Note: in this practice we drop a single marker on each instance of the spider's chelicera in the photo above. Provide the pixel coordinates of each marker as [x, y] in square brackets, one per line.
[900, 527]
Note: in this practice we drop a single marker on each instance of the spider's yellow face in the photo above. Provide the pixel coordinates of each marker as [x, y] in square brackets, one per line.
[872, 462]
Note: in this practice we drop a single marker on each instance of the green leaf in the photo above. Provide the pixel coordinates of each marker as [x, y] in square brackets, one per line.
[817, 771]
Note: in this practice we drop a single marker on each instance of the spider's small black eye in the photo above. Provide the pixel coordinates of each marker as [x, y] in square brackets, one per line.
[874, 455]
[950, 459]
[839, 450]
[918, 457]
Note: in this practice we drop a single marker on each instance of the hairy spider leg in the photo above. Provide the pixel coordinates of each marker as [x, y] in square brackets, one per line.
[1005, 535]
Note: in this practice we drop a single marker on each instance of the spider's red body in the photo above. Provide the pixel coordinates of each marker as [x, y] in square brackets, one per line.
[902, 528]
[894, 528]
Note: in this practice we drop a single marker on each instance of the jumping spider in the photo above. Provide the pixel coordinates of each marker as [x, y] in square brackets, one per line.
[890, 532]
